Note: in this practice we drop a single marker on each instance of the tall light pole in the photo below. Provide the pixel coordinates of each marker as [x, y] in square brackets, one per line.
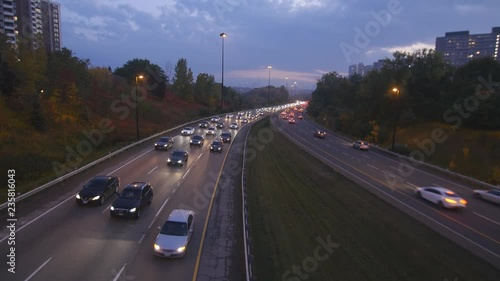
[286, 81]
[269, 84]
[137, 77]
[396, 91]
[222, 35]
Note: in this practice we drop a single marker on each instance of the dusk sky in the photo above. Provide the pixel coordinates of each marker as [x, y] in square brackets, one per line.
[300, 39]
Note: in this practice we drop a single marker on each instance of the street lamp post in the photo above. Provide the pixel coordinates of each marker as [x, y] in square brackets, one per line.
[137, 105]
[269, 84]
[222, 35]
[286, 81]
[396, 91]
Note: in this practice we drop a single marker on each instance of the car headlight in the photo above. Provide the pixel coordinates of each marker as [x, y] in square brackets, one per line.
[156, 144]
[179, 161]
[211, 147]
[168, 160]
[181, 249]
[157, 247]
[133, 210]
[78, 196]
[96, 198]
[191, 141]
[112, 208]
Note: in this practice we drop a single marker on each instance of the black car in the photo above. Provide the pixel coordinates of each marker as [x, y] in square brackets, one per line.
[220, 125]
[98, 189]
[216, 146]
[132, 199]
[178, 157]
[197, 140]
[204, 124]
[226, 137]
[164, 143]
[320, 134]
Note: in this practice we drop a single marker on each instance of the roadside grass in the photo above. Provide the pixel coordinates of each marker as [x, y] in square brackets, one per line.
[295, 200]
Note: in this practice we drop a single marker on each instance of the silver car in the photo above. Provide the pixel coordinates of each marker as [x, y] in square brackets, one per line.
[492, 195]
[175, 234]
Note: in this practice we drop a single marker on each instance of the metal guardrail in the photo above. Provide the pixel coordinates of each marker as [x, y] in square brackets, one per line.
[92, 164]
[244, 206]
[436, 168]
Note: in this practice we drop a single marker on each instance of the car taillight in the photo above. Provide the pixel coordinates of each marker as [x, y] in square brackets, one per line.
[450, 200]
[463, 201]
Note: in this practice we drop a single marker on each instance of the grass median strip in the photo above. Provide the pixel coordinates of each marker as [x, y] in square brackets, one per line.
[309, 223]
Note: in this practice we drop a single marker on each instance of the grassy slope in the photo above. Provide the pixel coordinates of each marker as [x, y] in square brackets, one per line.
[294, 199]
[471, 152]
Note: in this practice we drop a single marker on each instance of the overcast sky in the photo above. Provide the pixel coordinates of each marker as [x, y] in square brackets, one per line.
[300, 39]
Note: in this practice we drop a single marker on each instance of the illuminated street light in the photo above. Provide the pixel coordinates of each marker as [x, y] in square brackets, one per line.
[138, 77]
[396, 91]
[222, 35]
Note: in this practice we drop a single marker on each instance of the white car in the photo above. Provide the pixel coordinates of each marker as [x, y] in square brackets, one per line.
[492, 195]
[187, 131]
[233, 126]
[215, 119]
[442, 197]
[229, 116]
[210, 131]
[175, 234]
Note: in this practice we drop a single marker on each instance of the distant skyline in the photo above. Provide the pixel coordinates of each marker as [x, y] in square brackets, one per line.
[300, 39]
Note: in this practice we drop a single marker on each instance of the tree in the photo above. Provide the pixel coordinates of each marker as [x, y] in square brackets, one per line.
[183, 80]
[204, 89]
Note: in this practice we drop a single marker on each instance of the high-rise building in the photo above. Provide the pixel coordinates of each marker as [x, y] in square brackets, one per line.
[51, 22]
[360, 69]
[8, 20]
[36, 22]
[459, 47]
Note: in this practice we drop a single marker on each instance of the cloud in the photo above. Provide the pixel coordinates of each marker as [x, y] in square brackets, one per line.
[155, 8]
[408, 48]
[303, 5]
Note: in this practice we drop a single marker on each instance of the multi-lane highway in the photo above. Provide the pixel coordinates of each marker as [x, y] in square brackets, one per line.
[476, 228]
[56, 239]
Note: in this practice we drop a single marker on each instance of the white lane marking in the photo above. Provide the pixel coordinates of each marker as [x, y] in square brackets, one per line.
[142, 237]
[366, 156]
[199, 156]
[152, 170]
[35, 219]
[129, 162]
[187, 172]
[411, 184]
[106, 209]
[157, 213]
[395, 168]
[373, 167]
[38, 269]
[174, 191]
[497, 223]
[345, 154]
[117, 277]
[179, 183]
